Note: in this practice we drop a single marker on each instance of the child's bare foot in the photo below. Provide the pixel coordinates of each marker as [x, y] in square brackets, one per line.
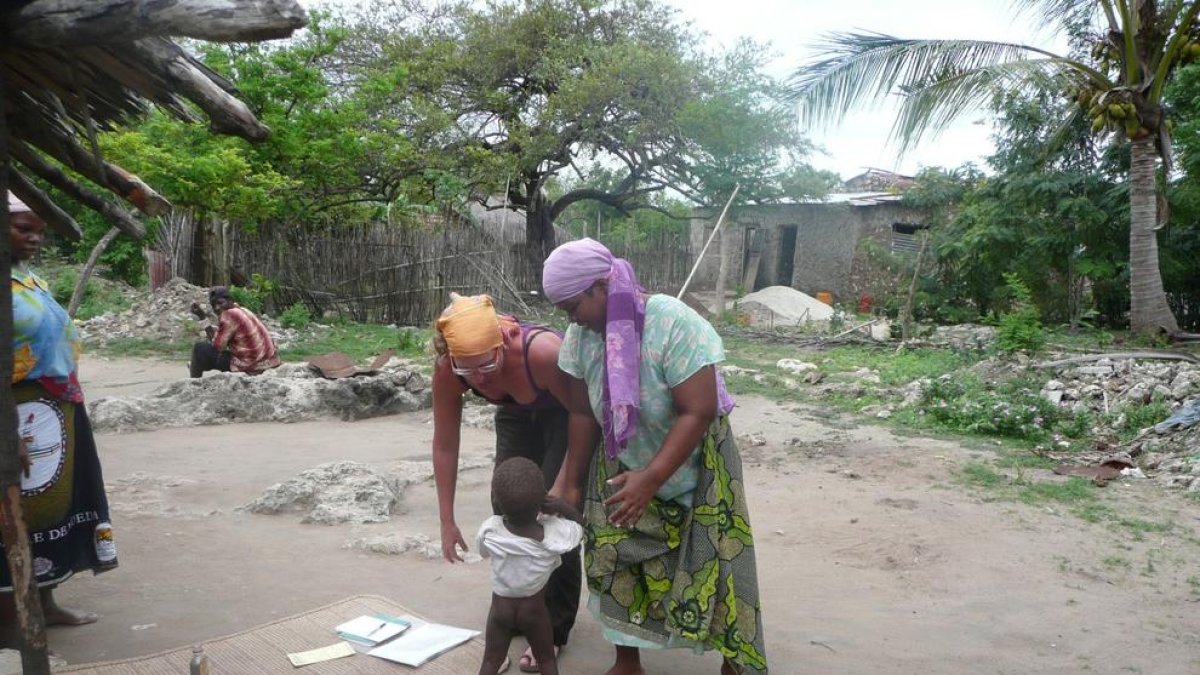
[70, 617]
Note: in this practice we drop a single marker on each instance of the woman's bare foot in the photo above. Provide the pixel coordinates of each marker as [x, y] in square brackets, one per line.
[57, 615]
[618, 669]
[629, 662]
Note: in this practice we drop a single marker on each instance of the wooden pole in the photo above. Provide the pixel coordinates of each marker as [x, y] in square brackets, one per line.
[86, 273]
[906, 318]
[35, 658]
[700, 258]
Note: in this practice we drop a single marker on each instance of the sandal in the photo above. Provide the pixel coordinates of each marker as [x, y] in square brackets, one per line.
[528, 664]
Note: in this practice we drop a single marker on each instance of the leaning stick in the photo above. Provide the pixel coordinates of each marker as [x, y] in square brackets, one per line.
[700, 258]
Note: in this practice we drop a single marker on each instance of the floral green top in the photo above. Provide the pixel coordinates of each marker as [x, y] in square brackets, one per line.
[676, 343]
[45, 344]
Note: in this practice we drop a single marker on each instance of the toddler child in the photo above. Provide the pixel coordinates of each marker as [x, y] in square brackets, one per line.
[524, 547]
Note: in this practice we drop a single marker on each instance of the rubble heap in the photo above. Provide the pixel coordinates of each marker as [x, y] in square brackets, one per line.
[292, 392]
[1169, 452]
[164, 316]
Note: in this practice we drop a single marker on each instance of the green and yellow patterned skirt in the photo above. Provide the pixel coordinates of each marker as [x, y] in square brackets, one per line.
[684, 576]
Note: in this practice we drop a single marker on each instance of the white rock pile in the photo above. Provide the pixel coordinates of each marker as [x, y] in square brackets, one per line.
[1170, 453]
[291, 393]
[165, 316]
[348, 492]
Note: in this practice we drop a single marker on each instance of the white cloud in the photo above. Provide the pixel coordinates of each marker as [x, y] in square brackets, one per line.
[793, 26]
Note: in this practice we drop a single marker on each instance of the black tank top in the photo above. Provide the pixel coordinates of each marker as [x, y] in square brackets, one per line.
[545, 400]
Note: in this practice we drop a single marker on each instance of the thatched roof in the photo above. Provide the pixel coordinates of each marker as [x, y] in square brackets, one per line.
[71, 67]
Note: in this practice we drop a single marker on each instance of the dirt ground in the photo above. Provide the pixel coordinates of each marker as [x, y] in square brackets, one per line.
[872, 558]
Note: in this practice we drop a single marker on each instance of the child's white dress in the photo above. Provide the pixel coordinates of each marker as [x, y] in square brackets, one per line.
[521, 566]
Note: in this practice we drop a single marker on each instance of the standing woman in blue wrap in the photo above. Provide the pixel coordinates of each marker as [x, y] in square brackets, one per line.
[62, 491]
[668, 551]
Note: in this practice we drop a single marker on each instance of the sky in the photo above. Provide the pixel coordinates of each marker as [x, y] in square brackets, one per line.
[860, 141]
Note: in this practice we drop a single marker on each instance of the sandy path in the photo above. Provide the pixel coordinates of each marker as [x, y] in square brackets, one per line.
[871, 559]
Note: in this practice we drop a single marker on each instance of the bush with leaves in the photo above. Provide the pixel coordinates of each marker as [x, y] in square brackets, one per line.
[1021, 329]
[1012, 409]
[296, 316]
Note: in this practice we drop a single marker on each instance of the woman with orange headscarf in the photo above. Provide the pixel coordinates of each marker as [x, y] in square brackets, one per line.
[514, 366]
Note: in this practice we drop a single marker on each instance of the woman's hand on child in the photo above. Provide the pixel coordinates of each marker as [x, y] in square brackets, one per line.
[635, 489]
[452, 541]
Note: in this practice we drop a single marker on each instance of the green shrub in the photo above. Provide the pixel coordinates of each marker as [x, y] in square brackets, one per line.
[1013, 409]
[247, 297]
[97, 298]
[296, 316]
[1021, 329]
[1134, 417]
[255, 296]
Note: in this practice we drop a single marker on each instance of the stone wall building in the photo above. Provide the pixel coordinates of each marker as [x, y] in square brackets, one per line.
[815, 247]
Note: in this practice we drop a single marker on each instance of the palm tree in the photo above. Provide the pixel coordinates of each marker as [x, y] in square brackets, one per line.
[1136, 45]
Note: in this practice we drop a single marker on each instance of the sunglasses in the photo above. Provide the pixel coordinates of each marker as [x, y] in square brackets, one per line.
[489, 367]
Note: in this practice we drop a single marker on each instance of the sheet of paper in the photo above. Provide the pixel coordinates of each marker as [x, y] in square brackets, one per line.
[423, 643]
[329, 653]
[372, 630]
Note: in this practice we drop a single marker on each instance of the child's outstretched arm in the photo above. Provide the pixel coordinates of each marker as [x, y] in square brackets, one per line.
[557, 506]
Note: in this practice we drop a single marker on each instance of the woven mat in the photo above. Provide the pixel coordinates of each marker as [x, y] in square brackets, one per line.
[263, 650]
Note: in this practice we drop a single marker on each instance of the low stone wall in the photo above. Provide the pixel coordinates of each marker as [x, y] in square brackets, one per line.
[290, 393]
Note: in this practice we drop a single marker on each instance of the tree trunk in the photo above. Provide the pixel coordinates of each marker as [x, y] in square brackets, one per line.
[539, 231]
[1148, 312]
[86, 272]
[35, 658]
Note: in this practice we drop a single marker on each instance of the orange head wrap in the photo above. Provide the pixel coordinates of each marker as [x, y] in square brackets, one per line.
[470, 326]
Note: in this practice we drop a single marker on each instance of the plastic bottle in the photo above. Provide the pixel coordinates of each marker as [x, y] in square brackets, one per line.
[199, 661]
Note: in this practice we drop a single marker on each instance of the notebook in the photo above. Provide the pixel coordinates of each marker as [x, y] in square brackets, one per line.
[372, 630]
[423, 643]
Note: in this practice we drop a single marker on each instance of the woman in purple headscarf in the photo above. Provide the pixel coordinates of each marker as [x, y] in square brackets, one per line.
[669, 554]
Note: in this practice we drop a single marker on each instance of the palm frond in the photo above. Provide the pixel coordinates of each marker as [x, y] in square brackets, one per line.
[864, 68]
[1065, 12]
[933, 107]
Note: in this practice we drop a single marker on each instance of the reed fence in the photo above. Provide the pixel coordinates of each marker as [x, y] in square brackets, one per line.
[403, 274]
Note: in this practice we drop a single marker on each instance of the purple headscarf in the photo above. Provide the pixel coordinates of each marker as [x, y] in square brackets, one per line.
[572, 269]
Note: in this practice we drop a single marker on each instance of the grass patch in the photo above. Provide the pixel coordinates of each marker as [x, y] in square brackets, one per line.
[1115, 562]
[1074, 491]
[981, 475]
[360, 341]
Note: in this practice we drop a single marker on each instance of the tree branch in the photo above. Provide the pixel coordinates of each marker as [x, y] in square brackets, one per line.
[58, 23]
[120, 218]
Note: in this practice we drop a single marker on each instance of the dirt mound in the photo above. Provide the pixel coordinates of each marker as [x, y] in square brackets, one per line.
[776, 306]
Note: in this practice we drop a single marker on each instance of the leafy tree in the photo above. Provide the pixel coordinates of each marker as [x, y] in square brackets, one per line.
[1136, 47]
[1051, 213]
[517, 93]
